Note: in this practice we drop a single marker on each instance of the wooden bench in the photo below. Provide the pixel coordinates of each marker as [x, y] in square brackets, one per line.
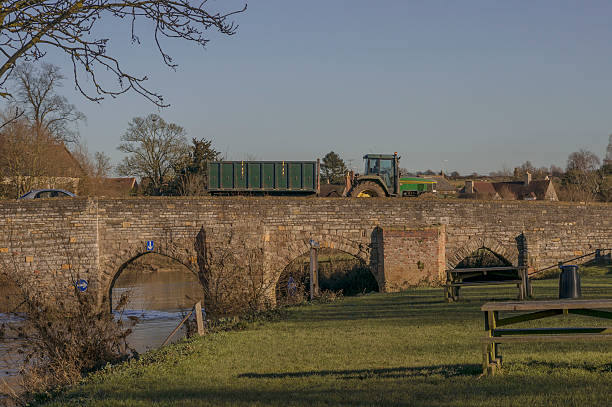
[485, 277]
[532, 310]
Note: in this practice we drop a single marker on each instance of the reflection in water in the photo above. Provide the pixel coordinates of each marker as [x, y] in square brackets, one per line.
[160, 291]
[10, 359]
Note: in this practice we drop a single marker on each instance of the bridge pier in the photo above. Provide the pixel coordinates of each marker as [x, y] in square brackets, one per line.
[411, 256]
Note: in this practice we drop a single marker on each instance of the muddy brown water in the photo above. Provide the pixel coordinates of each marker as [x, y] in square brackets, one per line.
[158, 296]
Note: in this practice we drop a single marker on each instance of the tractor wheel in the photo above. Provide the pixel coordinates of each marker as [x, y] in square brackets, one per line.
[367, 189]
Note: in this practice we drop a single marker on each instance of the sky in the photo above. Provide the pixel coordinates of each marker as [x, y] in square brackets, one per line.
[466, 86]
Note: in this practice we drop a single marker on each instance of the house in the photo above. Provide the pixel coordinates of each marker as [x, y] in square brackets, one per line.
[117, 187]
[27, 165]
[526, 190]
[479, 190]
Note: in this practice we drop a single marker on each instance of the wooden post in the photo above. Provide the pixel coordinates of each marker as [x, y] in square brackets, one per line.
[526, 284]
[199, 320]
[528, 289]
[448, 288]
[314, 271]
[491, 353]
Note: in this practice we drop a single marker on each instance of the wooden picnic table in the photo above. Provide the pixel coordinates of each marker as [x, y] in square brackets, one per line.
[532, 310]
[484, 277]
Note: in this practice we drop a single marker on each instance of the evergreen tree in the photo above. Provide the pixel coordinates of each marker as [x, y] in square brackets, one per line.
[192, 169]
[333, 169]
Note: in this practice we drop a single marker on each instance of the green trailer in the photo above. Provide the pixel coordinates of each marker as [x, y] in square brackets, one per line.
[263, 177]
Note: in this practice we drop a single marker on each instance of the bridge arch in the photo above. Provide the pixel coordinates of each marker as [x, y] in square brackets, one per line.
[508, 250]
[114, 268]
[361, 250]
[297, 247]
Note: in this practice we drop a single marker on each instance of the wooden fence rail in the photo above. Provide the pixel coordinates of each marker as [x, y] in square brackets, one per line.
[597, 254]
[197, 308]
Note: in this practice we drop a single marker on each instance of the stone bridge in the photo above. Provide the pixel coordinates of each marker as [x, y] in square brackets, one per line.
[406, 242]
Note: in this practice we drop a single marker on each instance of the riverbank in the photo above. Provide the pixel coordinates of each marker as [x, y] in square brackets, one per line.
[409, 348]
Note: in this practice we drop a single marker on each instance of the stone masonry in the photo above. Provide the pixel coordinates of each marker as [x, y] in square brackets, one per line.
[50, 243]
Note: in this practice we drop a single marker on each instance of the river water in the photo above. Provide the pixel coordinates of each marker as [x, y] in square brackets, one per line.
[159, 298]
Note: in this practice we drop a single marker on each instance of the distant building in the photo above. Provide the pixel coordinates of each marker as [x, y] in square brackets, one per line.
[526, 190]
[49, 164]
[116, 187]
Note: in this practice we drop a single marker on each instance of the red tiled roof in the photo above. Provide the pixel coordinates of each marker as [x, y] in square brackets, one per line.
[112, 187]
[521, 191]
[484, 188]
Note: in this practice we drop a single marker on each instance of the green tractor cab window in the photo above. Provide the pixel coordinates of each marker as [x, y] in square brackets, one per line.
[381, 165]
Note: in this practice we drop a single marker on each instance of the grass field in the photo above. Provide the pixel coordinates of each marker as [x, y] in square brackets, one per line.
[404, 349]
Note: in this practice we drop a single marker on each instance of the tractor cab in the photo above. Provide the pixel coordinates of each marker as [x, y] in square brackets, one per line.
[383, 166]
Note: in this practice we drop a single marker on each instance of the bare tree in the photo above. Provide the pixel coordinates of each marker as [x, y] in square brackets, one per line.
[23, 157]
[506, 193]
[556, 171]
[526, 167]
[102, 165]
[575, 192]
[97, 165]
[235, 277]
[36, 94]
[582, 180]
[28, 29]
[583, 161]
[154, 147]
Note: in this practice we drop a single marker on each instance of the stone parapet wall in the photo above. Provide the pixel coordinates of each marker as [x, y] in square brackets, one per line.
[52, 241]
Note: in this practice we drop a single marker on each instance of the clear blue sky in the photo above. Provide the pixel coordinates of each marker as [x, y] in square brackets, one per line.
[469, 85]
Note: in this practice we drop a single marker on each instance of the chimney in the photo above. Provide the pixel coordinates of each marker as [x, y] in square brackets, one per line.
[469, 187]
[527, 179]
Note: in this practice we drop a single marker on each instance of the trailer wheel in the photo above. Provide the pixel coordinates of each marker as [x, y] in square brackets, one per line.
[367, 189]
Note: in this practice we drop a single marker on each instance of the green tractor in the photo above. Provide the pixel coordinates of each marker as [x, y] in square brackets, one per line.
[382, 178]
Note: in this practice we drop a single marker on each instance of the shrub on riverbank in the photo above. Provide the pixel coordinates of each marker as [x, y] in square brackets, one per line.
[63, 340]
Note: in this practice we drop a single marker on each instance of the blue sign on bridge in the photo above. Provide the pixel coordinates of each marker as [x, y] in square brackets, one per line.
[82, 285]
[150, 245]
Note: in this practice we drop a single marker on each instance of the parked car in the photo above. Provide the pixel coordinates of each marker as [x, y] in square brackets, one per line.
[47, 193]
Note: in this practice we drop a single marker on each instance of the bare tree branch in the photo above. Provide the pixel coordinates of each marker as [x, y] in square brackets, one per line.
[12, 117]
[29, 27]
